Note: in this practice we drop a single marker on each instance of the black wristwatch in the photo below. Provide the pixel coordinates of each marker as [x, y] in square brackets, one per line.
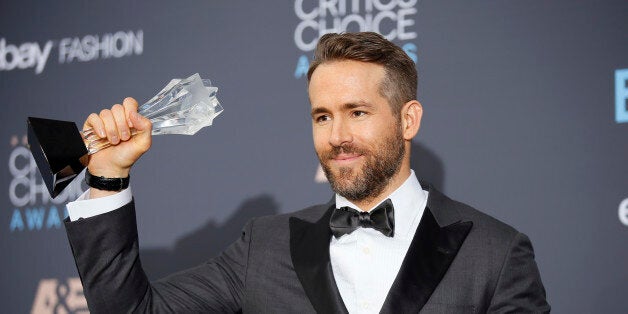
[106, 184]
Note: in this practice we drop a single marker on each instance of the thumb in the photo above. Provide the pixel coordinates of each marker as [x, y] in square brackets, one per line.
[140, 123]
[142, 138]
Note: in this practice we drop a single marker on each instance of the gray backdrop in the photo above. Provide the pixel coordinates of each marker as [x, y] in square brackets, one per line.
[525, 118]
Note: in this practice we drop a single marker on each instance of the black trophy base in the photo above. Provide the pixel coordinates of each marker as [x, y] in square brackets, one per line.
[58, 150]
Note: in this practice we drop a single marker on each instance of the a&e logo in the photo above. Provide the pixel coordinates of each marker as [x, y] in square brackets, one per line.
[54, 296]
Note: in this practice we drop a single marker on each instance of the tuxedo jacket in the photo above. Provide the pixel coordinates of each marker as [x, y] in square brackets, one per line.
[459, 261]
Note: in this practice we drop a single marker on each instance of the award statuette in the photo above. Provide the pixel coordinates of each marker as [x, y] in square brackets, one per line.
[61, 152]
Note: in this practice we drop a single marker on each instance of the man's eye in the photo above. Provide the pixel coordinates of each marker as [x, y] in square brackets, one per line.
[358, 113]
[322, 118]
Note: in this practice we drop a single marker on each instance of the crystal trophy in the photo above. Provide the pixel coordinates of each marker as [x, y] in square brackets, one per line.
[61, 152]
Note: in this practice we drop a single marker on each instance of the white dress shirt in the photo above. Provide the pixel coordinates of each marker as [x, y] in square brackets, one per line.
[365, 263]
[84, 207]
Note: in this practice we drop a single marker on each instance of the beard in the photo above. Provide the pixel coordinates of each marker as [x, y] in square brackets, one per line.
[380, 165]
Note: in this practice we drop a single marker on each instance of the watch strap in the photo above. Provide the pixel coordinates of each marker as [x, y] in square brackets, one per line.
[106, 184]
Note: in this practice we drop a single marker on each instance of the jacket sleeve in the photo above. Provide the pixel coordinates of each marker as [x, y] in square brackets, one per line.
[106, 253]
[519, 288]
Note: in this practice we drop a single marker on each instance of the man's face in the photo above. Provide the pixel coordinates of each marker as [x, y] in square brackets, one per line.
[357, 137]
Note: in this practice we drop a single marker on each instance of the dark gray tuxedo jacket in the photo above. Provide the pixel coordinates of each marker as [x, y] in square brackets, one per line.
[459, 261]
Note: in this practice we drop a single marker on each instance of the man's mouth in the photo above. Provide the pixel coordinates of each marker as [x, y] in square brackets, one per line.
[345, 158]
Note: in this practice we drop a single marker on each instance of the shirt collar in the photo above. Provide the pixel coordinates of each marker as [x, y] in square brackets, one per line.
[409, 201]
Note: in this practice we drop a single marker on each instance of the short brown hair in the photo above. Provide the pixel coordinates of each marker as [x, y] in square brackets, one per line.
[400, 84]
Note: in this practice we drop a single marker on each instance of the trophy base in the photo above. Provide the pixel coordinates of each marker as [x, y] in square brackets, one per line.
[58, 150]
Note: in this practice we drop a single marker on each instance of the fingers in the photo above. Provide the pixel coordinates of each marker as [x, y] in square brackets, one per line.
[130, 106]
[111, 129]
[94, 122]
[120, 118]
[115, 124]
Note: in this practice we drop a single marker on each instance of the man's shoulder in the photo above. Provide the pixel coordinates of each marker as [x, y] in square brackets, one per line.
[489, 239]
[484, 224]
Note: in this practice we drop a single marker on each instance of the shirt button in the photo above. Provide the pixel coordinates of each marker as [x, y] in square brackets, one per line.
[366, 250]
[365, 305]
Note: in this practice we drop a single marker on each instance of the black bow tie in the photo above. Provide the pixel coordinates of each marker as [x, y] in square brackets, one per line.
[345, 220]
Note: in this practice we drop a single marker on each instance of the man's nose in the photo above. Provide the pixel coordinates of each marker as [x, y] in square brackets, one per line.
[340, 133]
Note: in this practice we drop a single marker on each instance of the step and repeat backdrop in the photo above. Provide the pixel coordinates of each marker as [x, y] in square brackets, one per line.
[526, 118]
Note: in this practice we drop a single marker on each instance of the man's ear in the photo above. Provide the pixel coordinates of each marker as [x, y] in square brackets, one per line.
[411, 114]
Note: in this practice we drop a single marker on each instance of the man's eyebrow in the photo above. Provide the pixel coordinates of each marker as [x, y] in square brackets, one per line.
[319, 110]
[355, 105]
[346, 106]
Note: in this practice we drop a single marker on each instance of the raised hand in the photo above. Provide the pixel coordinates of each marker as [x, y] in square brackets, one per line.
[115, 125]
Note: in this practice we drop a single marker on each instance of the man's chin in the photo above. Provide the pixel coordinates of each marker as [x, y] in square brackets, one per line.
[343, 182]
[343, 174]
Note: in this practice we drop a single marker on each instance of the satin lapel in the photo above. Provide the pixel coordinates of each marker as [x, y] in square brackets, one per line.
[309, 248]
[431, 252]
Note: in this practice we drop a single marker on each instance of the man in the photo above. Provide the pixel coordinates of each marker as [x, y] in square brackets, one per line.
[385, 243]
